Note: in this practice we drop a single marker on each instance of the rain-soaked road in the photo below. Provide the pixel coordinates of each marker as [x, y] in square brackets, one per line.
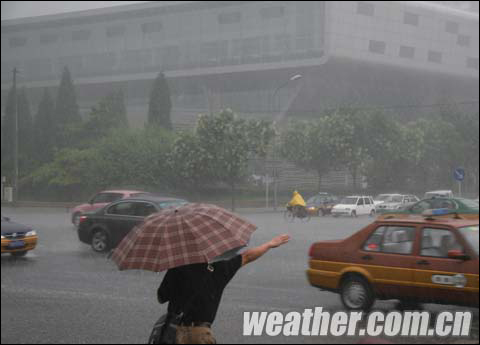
[64, 293]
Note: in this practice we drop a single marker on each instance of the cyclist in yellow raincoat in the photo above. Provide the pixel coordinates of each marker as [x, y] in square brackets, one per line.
[297, 205]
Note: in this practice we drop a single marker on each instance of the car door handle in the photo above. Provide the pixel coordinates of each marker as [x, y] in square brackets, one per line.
[423, 262]
[367, 257]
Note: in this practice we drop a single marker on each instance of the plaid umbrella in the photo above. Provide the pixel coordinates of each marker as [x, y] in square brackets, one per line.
[191, 234]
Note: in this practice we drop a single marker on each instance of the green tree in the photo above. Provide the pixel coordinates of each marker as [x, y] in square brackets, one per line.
[43, 129]
[306, 144]
[228, 142]
[160, 105]
[66, 109]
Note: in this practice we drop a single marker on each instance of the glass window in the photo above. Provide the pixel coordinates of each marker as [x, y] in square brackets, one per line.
[361, 202]
[452, 27]
[365, 8]
[434, 56]
[48, 38]
[407, 52]
[367, 201]
[81, 35]
[463, 40]
[144, 209]
[438, 242]
[114, 31]
[374, 242]
[229, 17]
[152, 27]
[123, 209]
[17, 42]
[398, 240]
[472, 63]
[272, 12]
[377, 47]
[411, 18]
[470, 234]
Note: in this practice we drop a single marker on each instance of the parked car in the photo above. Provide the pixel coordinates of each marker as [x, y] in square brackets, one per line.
[381, 198]
[17, 239]
[439, 194]
[423, 260]
[322, 203]
[396, 202]
[101, 200]
[354, 206]
[105, 228]
[464, 208]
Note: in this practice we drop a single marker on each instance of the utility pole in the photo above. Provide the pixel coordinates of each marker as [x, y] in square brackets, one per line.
[15, 139]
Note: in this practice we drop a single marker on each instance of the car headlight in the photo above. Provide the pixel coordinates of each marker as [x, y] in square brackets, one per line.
[3, 237]
[31, 233]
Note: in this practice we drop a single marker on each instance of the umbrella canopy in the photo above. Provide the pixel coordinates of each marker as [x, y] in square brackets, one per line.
[191, 234]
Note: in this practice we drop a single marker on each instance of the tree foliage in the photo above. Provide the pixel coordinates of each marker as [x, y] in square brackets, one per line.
[160, 105]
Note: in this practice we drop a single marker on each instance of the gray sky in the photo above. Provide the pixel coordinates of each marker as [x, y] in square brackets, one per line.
[20, 9]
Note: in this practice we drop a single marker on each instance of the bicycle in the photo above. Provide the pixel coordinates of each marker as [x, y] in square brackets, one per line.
[299, 212]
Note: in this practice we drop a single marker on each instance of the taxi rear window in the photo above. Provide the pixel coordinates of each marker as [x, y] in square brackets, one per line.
[471, 236]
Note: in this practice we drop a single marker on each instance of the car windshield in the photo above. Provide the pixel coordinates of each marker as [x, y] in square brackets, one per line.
[349, 201]
[471, 236]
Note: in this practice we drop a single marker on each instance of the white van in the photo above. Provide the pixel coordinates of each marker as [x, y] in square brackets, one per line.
[354, 206]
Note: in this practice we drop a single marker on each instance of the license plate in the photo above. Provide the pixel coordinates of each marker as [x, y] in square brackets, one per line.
[16, 244]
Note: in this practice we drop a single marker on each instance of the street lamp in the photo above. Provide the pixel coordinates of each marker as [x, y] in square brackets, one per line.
[278, 118]
[15, 138]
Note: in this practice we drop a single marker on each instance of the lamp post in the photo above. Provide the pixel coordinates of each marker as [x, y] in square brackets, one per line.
[15, 138]
[278, 118]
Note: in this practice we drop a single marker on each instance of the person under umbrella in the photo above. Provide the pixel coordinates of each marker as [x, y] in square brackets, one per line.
[197, 244]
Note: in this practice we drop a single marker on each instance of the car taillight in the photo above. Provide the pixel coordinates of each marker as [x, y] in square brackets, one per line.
[82, 219]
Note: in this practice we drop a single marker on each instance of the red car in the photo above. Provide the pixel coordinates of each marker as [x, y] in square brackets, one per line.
[102, 199]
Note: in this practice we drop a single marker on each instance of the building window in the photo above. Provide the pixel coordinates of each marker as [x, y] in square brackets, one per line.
[452, 27]
[472, 63]
[407, 52]
[48, 38]
[365, 8]
[272, 12]
[148, 28]
[17, 42]
[463, 40]
[411, 18]
[114, 31]
[81, 35]
[377, 47]
[435, 57]
[229, 18]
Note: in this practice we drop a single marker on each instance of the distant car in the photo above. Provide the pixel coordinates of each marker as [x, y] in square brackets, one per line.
[17, 239]
[439, 194]
[423, 260]
[105, 228]
[322, 203]
[396, 202]
[381, 198]
[464, 208]
[354, 206]
[101, 200]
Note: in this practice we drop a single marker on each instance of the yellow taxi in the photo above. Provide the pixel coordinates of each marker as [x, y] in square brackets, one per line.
[17, 239]
[429, 259]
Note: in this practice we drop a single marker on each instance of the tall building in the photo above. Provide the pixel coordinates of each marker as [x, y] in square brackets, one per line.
[235, 54]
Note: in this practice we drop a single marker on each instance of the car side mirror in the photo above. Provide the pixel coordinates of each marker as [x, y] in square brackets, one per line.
[458, 255]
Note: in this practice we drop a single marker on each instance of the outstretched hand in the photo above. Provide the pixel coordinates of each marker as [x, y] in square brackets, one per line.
[279, 241]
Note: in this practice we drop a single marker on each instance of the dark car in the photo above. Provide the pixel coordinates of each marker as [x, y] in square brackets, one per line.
[105, 229]
[17, 239]
[322, 203]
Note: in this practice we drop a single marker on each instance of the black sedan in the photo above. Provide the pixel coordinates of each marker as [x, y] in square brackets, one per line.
[105, 229]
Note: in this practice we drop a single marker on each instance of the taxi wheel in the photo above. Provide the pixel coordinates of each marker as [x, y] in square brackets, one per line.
[356, 293]
[100, 242]
[19, 254]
